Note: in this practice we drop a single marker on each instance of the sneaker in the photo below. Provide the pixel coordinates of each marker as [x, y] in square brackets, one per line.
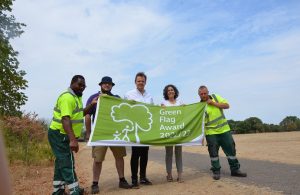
[145, 181]
[95, 189]
[216, 175]
[135, 184]
[124, 184]
[238, 173]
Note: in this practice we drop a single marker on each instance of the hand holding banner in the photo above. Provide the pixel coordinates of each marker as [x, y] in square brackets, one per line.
[120, 122]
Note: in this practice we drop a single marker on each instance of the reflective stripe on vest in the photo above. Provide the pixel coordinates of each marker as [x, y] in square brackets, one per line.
[216, 119]
[76, 110]
[218, 126]
[73, 121]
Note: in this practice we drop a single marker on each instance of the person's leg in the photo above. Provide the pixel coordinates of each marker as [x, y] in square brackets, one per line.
[178, 160]
[69, 174]
[98, 153]
[97, 168]
[134, 164]
[58, 182]
[228, 145]
[213, 149]
[143, 166]
[168, 159]
[143, 161]
[64, 163]
[119, 153]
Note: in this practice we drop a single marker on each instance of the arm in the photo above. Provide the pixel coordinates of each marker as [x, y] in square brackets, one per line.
[218, 105]
[67, 125]
[88, 125]
[90, 106]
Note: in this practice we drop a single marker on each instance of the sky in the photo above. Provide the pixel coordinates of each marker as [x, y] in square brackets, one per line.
[246, 51]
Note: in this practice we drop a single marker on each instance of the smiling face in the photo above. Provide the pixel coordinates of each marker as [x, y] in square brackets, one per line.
[78, 86]
[203, 94]
[171, 92]
[106, 87]
[140, 83]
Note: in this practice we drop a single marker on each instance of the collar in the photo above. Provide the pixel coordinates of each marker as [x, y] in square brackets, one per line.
[71, 91]
[143, 94]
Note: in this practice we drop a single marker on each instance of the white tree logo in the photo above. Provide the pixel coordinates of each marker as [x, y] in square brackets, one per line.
[137, 117]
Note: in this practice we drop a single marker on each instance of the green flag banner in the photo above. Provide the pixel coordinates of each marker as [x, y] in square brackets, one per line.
[120, 122]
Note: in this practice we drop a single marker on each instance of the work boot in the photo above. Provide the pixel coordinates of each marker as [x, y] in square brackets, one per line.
[95, 189]
[145, 181]
[216, 175]
[238, 173]
[135, 184]
[124, 184]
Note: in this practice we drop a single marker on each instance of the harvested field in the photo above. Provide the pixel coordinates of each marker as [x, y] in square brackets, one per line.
[272, 161]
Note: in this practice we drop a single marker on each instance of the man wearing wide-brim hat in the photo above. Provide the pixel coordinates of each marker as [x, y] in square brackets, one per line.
[98, 152]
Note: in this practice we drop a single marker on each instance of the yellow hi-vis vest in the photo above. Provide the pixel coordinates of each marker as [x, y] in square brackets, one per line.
[215, 121]
[68, 104]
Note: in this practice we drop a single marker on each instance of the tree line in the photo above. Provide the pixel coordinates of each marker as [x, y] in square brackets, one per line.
[255, 125]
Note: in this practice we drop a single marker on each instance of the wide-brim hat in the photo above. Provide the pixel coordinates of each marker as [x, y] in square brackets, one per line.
[106, 79]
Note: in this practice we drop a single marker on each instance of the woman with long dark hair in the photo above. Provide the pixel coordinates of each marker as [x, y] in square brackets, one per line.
[171, 93]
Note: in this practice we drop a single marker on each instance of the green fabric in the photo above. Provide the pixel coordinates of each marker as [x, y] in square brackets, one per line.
[213, 113]
[126, 122]
[68, 104]
[226, 142]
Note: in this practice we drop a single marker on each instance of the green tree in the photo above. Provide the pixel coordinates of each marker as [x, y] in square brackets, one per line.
[254, 124]
[290, 123]
[12, 80]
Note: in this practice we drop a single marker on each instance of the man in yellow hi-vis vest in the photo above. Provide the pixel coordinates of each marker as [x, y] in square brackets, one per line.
[217, 133]
[65, 127]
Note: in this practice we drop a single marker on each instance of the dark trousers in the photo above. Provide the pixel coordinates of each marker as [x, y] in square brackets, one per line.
[139, 155]
[64, 169]
[225, 140]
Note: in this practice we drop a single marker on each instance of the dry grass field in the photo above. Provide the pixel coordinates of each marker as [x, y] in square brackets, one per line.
[272, 147]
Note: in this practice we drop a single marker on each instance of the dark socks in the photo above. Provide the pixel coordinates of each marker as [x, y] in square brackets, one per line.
[122, 179]
[95, 183]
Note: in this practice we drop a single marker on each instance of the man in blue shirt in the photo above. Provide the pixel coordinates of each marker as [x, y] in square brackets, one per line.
[98, 152]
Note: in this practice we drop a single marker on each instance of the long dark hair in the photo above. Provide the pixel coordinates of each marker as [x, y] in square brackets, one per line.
[165, 92]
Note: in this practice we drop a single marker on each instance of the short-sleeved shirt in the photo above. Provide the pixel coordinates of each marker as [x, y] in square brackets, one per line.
[67, 103]
[168, 103]
[92, 111]
[136, 95]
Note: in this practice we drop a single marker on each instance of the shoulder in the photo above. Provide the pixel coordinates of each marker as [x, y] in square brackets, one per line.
[165, 102]
[66, 96]
[219, 98]
[92, 97]
[133, 91]
[130, 93]
[179, 102]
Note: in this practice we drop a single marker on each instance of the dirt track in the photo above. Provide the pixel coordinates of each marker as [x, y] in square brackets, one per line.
[271, 160]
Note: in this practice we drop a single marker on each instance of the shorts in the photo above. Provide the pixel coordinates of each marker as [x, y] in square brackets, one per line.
[98, 152]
